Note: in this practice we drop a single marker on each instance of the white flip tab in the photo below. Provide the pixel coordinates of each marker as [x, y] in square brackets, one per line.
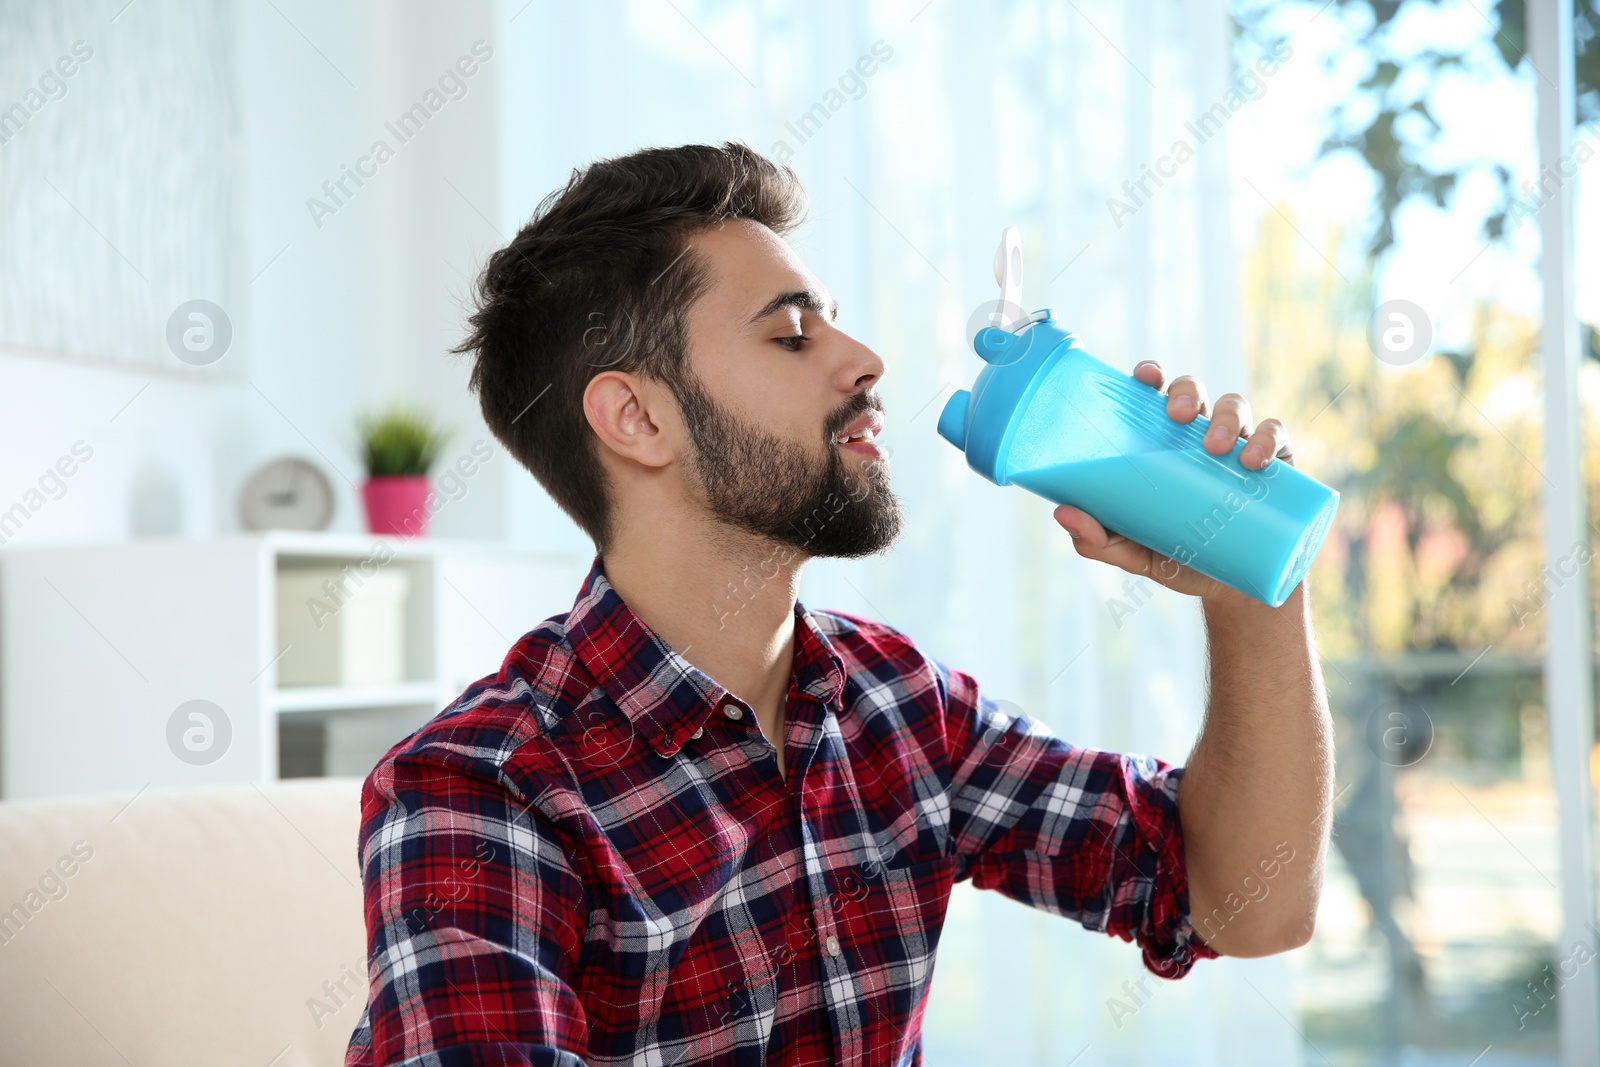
[1008, 273]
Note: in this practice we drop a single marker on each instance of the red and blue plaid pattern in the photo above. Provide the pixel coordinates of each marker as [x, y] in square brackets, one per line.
[591, 858]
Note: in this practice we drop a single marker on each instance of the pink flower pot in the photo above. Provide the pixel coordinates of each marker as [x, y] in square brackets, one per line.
[397, 504]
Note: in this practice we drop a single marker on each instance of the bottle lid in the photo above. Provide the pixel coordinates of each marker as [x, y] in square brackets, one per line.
[979, 421]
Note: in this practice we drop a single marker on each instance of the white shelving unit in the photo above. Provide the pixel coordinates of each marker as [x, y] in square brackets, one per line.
[101, 644]
[345, 697]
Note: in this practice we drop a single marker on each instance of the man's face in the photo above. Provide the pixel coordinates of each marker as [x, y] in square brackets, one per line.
[765, 408]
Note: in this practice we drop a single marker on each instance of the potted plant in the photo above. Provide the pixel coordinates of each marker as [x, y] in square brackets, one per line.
[399, 446]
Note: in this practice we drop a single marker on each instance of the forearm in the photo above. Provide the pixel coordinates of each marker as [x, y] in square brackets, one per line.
[1256, 797]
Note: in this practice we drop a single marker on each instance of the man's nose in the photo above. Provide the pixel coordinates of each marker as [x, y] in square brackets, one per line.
[861, 368]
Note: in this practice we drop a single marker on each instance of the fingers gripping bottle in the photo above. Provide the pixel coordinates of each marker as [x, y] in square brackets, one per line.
[1048, 416]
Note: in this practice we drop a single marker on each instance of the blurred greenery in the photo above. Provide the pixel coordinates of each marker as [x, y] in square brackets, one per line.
[1437, 545]
[1435, 566]
[400, 439]
[1486, 1017]
[1388, 119]
[1437, 542]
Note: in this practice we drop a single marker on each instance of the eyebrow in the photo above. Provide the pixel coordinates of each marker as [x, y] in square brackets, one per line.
[804, 299]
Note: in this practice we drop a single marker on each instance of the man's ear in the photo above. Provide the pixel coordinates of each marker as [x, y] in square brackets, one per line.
[632, 416]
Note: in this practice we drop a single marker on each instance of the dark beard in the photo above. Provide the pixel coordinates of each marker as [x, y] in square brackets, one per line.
[773, 488]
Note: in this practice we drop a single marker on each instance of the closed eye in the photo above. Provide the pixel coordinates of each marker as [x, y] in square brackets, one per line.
[792, 343]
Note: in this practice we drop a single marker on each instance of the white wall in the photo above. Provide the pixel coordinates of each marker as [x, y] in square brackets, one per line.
[329, 319]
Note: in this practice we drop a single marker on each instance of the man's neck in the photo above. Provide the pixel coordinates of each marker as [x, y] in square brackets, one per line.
[722, 599]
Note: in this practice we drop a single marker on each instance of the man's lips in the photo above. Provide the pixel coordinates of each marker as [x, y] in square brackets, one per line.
[862, 431]
[866, 448]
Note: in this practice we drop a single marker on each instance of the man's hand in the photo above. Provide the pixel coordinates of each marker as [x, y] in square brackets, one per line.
[1186, 399]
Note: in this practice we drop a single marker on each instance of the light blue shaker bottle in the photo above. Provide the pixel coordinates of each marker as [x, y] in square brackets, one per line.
[1048, 416]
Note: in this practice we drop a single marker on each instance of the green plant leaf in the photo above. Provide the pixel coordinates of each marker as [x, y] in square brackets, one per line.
[400, 439]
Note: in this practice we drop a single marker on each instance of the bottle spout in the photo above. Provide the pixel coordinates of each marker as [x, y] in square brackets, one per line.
[997, 346]
[953, 419]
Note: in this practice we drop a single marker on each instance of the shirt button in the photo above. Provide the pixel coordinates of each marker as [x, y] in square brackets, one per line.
[733, 711]
[699, 733]
[833, 945]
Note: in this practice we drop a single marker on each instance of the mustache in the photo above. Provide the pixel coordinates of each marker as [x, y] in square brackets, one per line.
[851, 409]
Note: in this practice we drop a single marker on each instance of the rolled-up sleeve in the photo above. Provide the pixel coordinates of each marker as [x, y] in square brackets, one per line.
[1083, 833]
[475, 916]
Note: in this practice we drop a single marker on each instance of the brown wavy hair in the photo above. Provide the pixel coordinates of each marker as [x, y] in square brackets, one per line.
[603, 277]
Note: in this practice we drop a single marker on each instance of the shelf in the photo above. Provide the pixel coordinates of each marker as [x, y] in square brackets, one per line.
[346, 546]
[469, 600]
[322, 545]
[345, 697]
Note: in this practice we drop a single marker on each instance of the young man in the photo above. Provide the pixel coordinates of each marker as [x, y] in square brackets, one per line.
[691, 821]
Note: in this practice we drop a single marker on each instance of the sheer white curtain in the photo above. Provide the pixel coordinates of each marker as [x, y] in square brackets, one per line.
[974, 116]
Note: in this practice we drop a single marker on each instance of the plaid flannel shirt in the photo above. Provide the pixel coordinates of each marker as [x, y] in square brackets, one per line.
[591, 857]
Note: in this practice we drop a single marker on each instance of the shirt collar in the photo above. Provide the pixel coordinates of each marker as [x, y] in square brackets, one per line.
[664, 696]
